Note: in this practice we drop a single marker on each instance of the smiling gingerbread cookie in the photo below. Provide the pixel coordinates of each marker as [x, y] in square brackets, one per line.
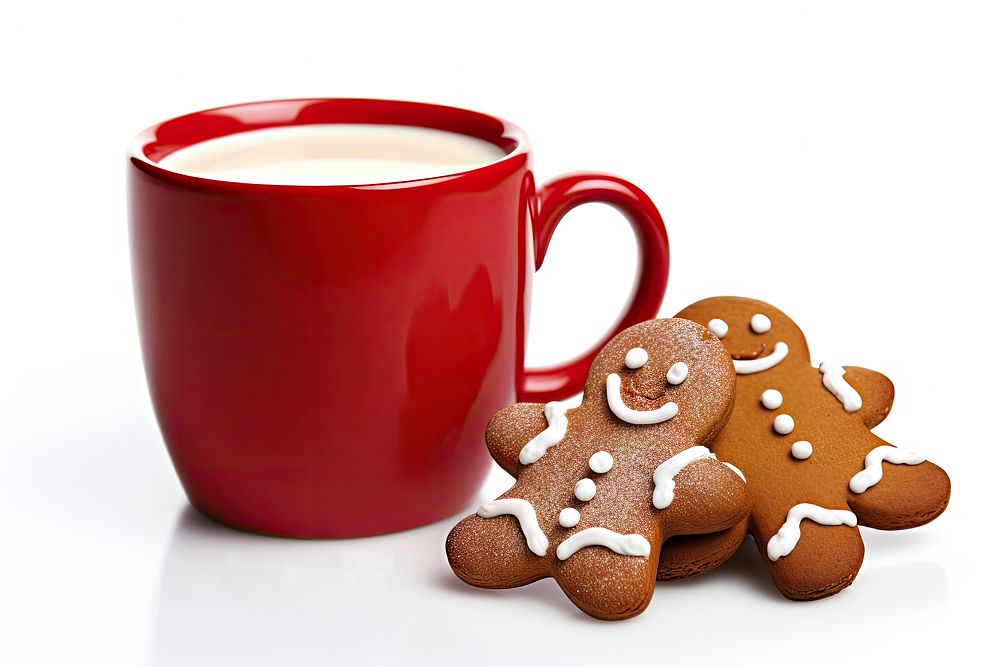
[802, 437]
[601, 487]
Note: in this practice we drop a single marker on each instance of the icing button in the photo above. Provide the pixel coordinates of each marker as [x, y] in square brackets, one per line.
[601, 462]
[585, 489]
[784, 424]
[802, 450]
[771, 399]
[569, 517]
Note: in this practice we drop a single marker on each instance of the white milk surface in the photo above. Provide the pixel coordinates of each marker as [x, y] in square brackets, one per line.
[333, 154]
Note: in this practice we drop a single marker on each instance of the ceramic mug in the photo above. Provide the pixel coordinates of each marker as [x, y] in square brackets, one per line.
[323, 359]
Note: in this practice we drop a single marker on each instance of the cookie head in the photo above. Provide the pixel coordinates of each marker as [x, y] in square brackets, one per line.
[757, 335]
[668, 371]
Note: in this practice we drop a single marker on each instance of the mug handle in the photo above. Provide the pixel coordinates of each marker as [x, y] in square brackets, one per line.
[554, 200]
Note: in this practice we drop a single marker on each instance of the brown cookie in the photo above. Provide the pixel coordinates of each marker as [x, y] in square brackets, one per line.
[802, 437]
[601, 487]
[687, 556]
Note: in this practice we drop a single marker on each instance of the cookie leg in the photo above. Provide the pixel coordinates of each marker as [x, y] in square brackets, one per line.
[492, 553]
[906, 496]
[686, 556]
[824, 560]
[607, 585]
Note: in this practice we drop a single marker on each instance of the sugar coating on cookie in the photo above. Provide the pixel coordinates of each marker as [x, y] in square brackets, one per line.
[663, 476]
[526, 517]
[631, 415]
[555, 416]
[617, 438]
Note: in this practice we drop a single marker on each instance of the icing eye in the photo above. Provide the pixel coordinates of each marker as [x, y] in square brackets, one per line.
[718, 327]
[677, 373]
[636, 358]
[760, 323]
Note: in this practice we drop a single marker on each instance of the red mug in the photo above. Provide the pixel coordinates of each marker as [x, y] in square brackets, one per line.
[323, 359]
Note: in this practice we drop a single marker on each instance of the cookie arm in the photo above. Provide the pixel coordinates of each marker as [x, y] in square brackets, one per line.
[876, 392]
[903, 496]
[510, 429]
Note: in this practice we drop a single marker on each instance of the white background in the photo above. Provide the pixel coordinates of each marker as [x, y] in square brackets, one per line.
[839, 160]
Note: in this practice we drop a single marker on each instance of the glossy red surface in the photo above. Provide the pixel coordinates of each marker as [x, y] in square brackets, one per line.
[323, 360]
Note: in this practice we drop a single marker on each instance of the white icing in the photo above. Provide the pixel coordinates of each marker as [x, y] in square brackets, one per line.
[833, 380]
[601, 461]
[627, 414]
[636, 358]
[555, 415]
[771, 399]
[784, 424]
[526, 517]
[677, 373]
[748, 366]
[585, 489]
[788, 535]
[569, 517]
[802, 449]
[663, 476]
[872, 474]
[735, 470]
[760, 323]
[626, 545]
[718, 327]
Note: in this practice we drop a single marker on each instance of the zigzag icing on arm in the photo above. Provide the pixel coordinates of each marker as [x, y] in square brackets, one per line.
[627, 414]
[523, 511]
[555, 415]
[626, 545]
[788, 535]
[663, 476]
[749, 366]
[872, 474]
[833, 380]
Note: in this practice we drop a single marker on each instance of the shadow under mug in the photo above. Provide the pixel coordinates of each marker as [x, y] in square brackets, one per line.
[323, 360]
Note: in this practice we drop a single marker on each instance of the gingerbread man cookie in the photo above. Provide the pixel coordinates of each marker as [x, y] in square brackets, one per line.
[601, 487]
[802, 437]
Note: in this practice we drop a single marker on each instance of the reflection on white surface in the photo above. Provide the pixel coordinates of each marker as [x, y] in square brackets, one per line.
[232, 598]
[229, 597]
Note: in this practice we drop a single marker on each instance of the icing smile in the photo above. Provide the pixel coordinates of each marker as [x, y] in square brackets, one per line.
[759, 363]
[627, 414]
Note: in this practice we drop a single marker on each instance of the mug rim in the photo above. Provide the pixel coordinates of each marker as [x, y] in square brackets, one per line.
[163, 138]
